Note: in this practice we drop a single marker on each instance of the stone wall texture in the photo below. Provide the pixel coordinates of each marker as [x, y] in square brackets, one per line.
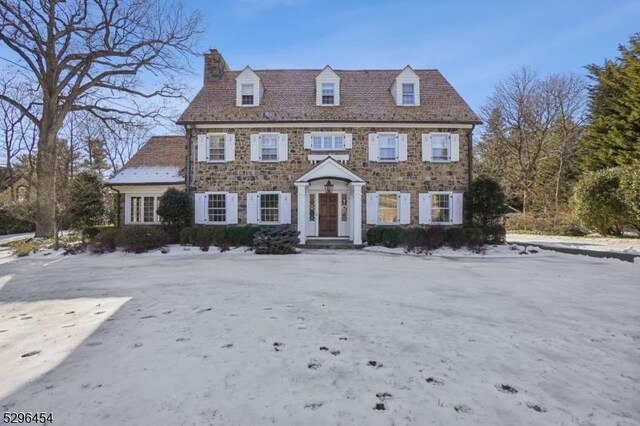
[413, 176]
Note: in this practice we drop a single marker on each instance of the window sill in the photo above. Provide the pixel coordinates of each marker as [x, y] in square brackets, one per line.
[215, 223]
[247, 106]
[218, 161]
[327, 105]
[440, 161]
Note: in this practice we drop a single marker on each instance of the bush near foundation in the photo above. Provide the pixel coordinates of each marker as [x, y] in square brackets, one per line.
[424, 240]
[281, 239]
[387, 236]
[233, 235]
[132, 239]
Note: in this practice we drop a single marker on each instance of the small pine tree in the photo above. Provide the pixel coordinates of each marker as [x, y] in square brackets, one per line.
[174, 209]
[485, 203]
[86, 206]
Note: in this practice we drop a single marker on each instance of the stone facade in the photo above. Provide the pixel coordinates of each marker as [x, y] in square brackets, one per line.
[243, 175]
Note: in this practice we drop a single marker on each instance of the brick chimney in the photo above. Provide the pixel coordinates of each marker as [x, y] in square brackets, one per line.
[214, 66]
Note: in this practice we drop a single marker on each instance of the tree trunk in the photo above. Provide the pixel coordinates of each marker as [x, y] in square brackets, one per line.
[46, 185]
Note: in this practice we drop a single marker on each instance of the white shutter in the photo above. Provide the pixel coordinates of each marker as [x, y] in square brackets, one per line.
[283, 147]
[402, 147]
[255, 147]
[454, 153]
[426, 147]
[307, 141]
[230, 147]
[405, 208]
[232, 208]
[200, 207]
[284, 207]
[372, 208]
[203, 142]
[348, 140]
[374, 151]
[457, 209]
[252, 207]
[127, 209]
[424, 208]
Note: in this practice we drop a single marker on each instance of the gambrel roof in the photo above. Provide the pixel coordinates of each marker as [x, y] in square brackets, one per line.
[365, 96]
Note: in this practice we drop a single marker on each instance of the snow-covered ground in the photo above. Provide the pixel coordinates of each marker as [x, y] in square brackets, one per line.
[321, 338]
[620, 245]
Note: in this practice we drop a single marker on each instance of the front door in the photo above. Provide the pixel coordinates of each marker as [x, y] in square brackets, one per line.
[328, 219]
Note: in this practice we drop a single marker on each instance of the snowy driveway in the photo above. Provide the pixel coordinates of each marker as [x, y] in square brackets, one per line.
[321, 338]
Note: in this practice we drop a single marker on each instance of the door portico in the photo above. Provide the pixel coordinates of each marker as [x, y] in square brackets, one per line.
[334, 214]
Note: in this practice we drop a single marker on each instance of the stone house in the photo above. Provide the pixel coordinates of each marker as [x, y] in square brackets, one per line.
[329, 151]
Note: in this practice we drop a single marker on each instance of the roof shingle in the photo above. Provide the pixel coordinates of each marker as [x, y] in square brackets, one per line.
[365, 96]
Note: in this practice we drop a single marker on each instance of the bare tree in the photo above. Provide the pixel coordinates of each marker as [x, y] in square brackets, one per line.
[90, 55]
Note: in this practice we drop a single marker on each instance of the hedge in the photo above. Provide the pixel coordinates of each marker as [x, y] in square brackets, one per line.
[132, 239]
[419, 239]
[206, 236]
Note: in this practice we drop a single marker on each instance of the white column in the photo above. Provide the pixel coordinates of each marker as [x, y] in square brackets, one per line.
[357, 212]
[302, 210]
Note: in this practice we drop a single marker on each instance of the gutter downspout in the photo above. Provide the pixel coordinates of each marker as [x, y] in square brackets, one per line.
[470, 162]
[187, 177]
[117, 205]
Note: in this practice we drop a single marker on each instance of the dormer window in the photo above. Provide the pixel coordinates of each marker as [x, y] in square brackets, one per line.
[249, 89]
[327, 88]
[405, 89]
[247, 94]
[328, 93]
[408, 94]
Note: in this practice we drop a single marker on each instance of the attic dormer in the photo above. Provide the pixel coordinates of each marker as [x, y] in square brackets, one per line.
[327, 88]
[249, 88]
[406, 88]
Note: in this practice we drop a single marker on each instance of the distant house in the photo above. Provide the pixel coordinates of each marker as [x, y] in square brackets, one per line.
[332, 152]
[14, 188]
[157, 166]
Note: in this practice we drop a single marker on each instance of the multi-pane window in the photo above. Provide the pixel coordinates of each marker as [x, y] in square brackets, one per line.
[327, 142]
[388, 147]
[217, 207]
[344, 207]
[328, 95]
[143, 209]
[216, 148]
[269, 207]
[247, 94]
[440, 208]
[136, 209]
[408, 95]
[312, 207]
[440, 147]
[269, 148]
[387, 208]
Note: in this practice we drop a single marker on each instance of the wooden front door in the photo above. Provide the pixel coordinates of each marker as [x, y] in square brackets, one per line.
[328, 215]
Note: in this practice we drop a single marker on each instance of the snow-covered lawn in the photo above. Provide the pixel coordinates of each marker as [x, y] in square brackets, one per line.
[605, 244]
[321, 338]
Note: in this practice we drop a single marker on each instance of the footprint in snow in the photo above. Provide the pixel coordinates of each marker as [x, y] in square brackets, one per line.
[99, 312]
[203, 310]
[167, 312]
[67, 326]
[313, 405]
[25, 318]
[335, 353]
[507, 389]
[375, 364]
[3, 331]
[182, 339]
[383, 396]
[94, 344]
[434, 381]
[227, 346]
[277, 346]
[28, 354]
[314, 364]
[324, 348]
[379, 406]
[461, 408]
[136, 345]
[536, 407]
[342, 338]
[148, 317]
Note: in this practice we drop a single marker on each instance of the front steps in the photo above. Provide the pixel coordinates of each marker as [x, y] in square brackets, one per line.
[330, 243]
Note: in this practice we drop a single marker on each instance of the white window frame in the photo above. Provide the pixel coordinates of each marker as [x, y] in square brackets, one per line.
[441, 160]
[141, 221]
[260, 147]
[260, 194]
[380, 135]
[413, 93]
[397, 221]
[242, 95]
[226, 205]
[450, 207]
[331, 135]
[224, 147]
[333, 93]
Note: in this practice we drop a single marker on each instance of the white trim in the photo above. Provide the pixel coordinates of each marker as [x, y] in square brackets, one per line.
[332, 135]
[430, 147]
[224, 146]
[388, 160]
[328, 76]
[142, 195]
[330, 168]
[278, 153]
[450, 194]
[247, 76]
[341, 124]
[317, 158]
[206, 207]
[258, 204]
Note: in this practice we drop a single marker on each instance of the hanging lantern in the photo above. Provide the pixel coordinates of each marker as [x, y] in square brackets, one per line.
[328, 187]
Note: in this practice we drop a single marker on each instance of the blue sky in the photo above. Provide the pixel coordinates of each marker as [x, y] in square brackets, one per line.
[473, 43]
